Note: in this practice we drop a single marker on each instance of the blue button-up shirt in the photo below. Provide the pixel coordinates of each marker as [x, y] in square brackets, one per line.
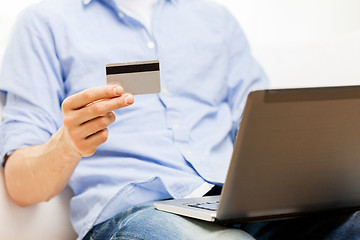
[165, 145]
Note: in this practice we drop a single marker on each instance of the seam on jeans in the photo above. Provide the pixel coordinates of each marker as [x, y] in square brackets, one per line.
[128, 236]
[124, 223]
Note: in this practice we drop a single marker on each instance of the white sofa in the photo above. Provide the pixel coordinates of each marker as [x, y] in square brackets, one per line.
[49, 220]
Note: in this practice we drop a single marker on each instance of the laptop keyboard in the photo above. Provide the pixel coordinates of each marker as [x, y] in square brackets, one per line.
[212, 206]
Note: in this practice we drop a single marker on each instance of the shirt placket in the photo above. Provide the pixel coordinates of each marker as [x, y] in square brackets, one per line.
[174, 117]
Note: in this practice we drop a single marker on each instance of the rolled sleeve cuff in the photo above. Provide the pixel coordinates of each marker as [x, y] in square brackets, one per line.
[16, 135]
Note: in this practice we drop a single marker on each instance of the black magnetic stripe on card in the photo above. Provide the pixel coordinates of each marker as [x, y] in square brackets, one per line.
[135, 68]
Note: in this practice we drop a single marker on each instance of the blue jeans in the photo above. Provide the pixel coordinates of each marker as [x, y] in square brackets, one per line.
[146, 223]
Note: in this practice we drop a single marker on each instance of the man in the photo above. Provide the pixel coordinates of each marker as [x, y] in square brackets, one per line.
[119, 153]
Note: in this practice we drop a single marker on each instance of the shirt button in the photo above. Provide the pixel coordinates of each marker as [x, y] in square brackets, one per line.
[164, 90]
[151, 45]
[176, 126]
[121, 15]
[189, 153]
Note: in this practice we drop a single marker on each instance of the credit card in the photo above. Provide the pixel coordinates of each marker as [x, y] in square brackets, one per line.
[135, 77]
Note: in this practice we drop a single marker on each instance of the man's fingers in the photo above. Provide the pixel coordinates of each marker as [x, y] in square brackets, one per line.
[95, 125]
[91, 95]
[89, 145]
[101, 108]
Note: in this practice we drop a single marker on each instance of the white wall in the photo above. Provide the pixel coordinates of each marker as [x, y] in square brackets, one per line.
[303, 42]
[298, 42]
[8, 12]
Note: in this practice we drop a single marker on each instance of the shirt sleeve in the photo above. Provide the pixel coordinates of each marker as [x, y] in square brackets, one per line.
[244, 74]
[32, 81]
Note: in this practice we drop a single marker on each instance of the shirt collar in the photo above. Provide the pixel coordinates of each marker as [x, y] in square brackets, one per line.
[87, 2]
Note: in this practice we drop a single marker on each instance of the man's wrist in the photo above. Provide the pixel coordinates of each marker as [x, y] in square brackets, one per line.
[62, 147]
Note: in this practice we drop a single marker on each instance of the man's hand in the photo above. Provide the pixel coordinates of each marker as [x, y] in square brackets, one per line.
[87, 115]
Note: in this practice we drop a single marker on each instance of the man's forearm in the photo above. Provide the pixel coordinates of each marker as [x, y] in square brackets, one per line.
[38, 173]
